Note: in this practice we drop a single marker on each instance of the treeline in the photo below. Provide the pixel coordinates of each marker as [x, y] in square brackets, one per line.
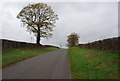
[17, 44]
[110, 44]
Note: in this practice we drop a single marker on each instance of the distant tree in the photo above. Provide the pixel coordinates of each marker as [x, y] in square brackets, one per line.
[73, 39]
[39, 19]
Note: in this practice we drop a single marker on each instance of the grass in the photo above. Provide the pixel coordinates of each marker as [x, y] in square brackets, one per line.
[11, 56]
[93, 64]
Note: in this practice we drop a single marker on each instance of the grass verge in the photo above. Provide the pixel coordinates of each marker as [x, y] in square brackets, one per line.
[10, 56]
[93, 64]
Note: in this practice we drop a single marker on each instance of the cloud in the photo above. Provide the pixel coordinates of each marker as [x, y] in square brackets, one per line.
[91, 20]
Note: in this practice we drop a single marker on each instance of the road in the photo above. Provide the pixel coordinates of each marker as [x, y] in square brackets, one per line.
[52, 65]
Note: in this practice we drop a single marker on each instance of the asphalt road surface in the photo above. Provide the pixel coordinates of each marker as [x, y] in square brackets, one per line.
[52, 65]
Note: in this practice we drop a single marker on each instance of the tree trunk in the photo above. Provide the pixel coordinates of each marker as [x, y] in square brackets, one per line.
[38, 36]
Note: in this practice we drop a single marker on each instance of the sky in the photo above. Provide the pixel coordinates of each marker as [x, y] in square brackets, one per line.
[91, 20]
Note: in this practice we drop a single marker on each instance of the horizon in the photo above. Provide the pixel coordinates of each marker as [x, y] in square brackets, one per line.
[101, 19]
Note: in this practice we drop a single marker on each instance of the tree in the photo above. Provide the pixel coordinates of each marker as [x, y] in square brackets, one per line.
[39, 19]
[73, 39]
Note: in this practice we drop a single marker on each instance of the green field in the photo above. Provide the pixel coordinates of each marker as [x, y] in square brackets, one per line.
[10, 56]
[93, 64]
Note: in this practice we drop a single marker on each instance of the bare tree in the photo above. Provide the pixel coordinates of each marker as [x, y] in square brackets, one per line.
[39, 19]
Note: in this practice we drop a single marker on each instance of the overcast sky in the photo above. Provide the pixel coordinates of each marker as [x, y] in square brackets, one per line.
[91, 20]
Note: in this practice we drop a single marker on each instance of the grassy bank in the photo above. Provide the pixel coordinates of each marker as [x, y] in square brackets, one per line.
[10, 56]
[93, 64]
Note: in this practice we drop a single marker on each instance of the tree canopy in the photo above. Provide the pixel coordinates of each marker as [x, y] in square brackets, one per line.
[73, 39]
[39, 19]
